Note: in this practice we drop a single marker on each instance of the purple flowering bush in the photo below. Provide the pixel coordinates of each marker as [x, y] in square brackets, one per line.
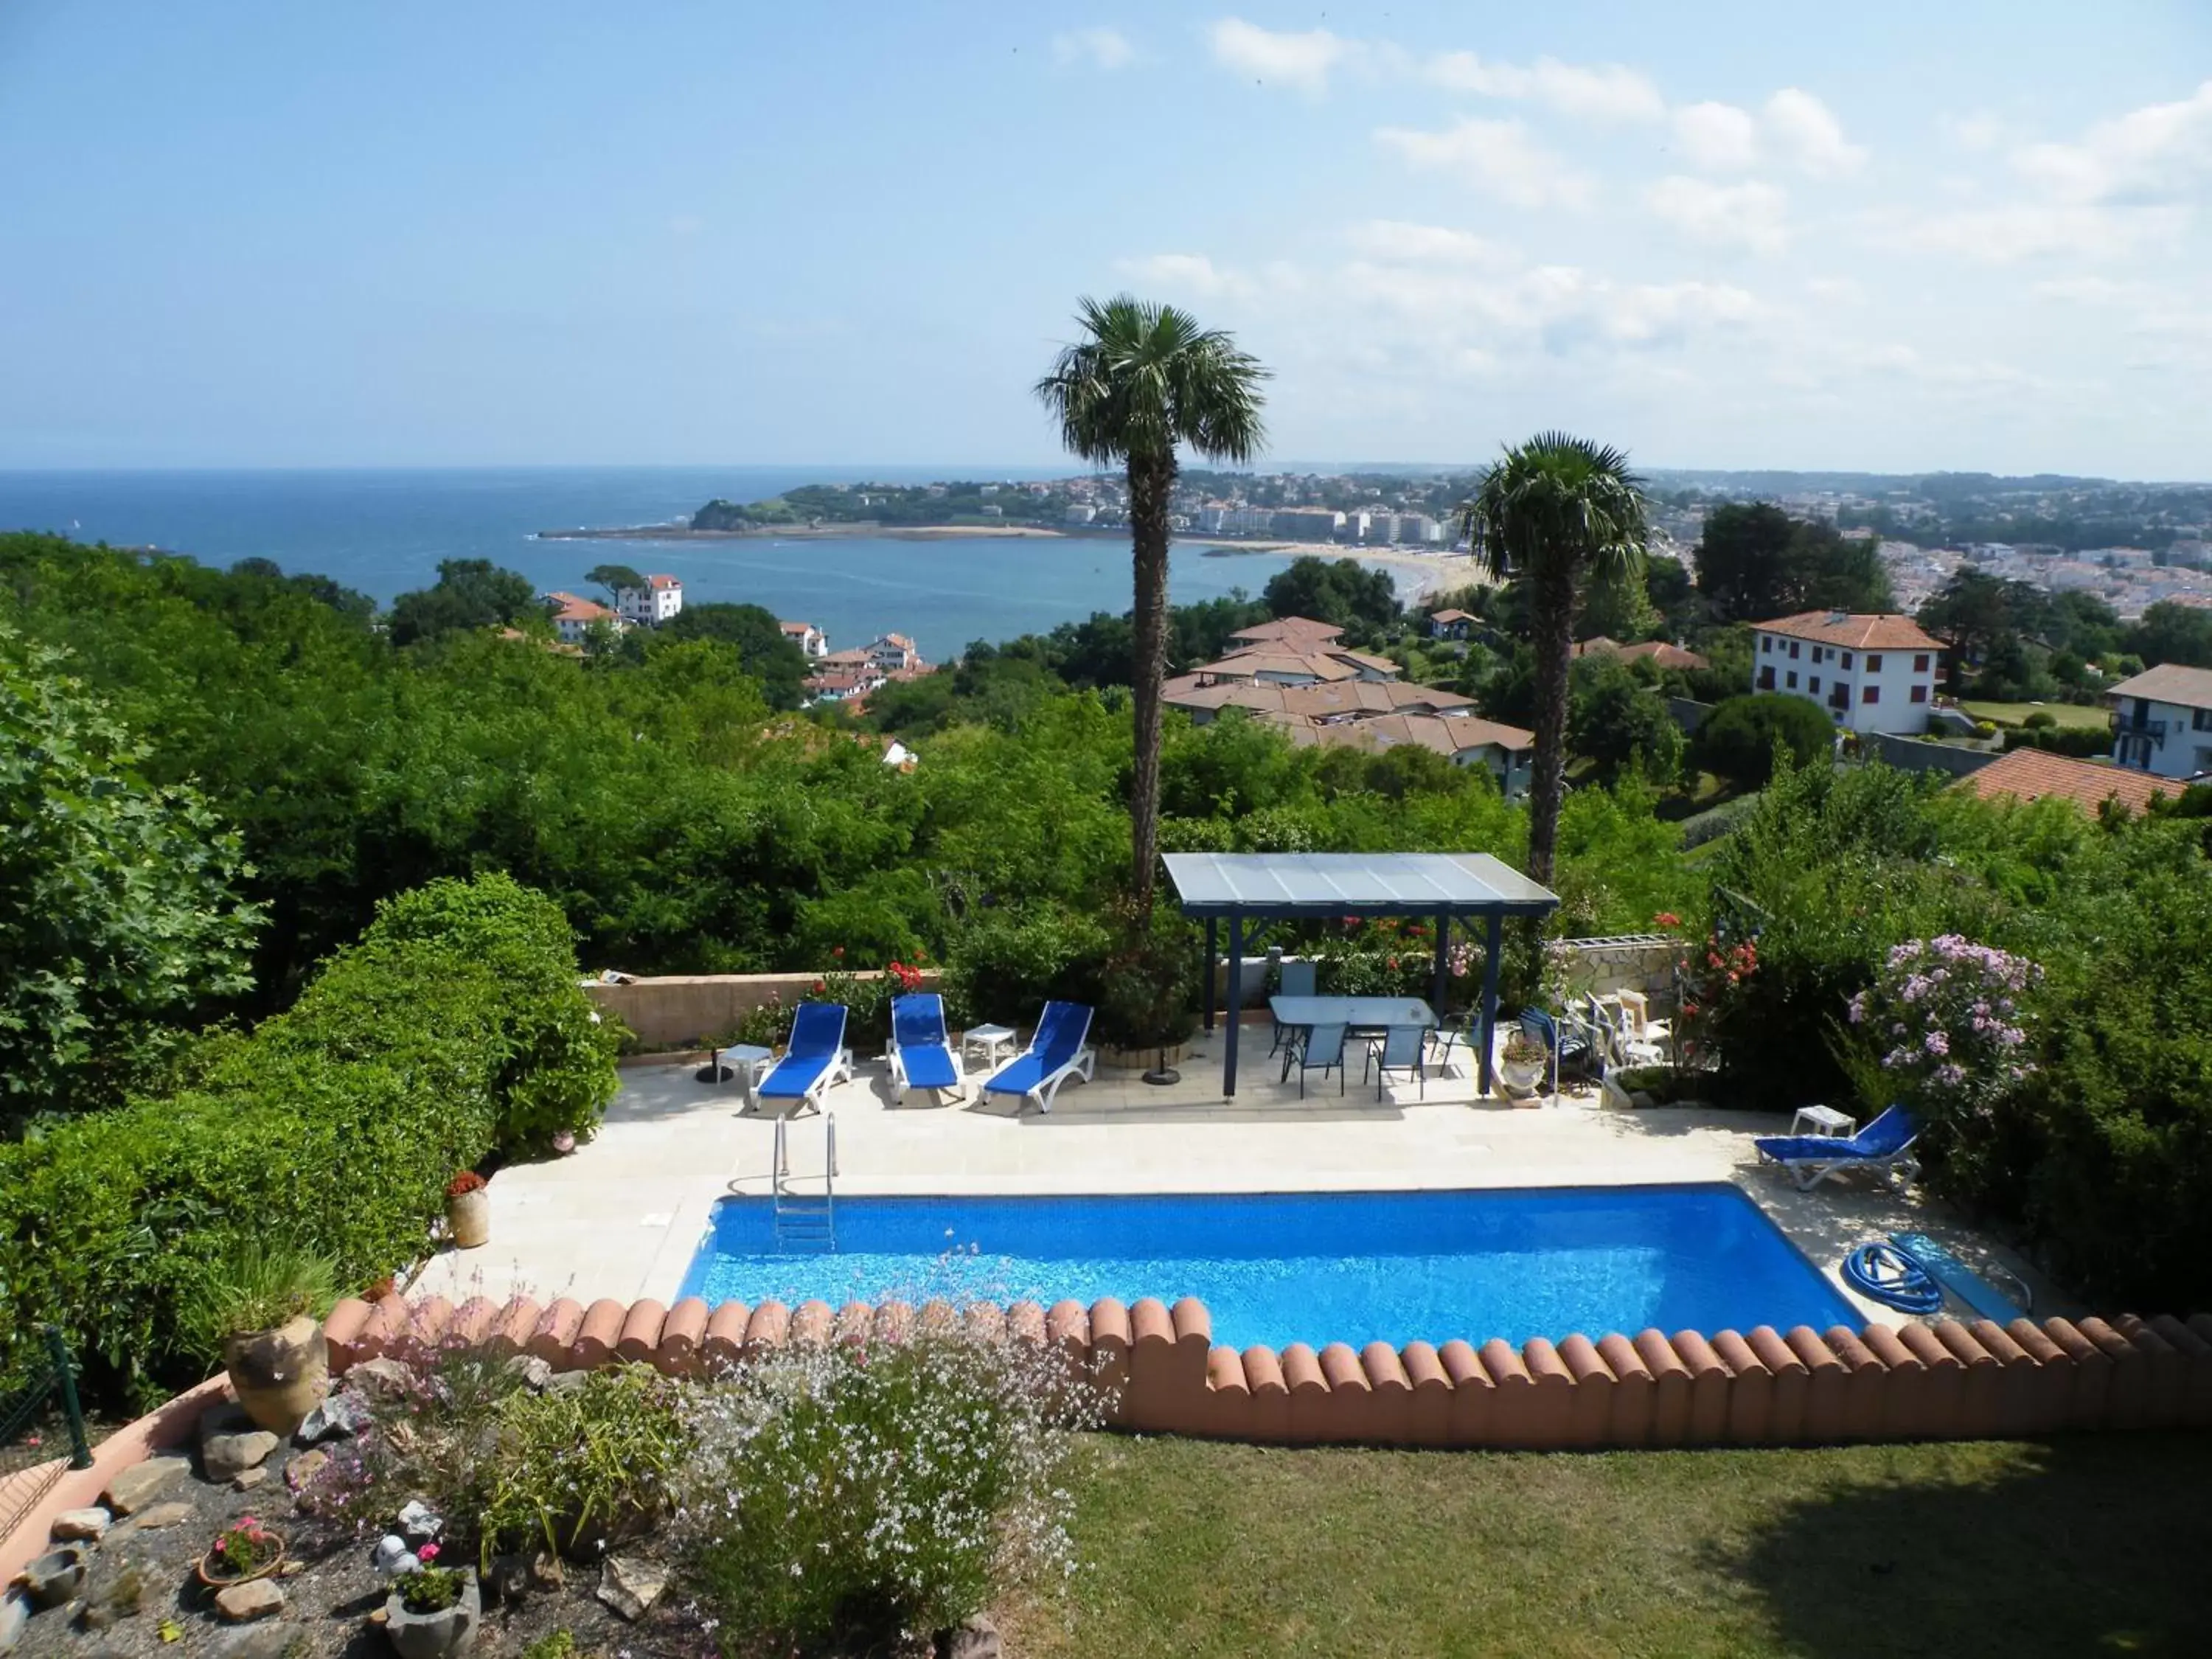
[1946, 1017]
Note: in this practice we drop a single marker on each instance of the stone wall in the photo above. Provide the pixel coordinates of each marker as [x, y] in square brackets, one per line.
[689, 1010]
[1949, 1380]
[1626, 962]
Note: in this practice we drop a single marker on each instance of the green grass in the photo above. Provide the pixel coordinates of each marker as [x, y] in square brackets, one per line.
[2086, 1546]
[2013, 713]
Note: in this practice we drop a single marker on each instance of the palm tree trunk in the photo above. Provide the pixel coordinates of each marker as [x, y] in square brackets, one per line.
[1151, 477]
[1553, 626]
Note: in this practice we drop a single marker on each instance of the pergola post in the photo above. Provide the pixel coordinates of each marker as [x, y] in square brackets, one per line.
[1211, 926]
[1236, 1000]
[1493, 943]
[1443, 943]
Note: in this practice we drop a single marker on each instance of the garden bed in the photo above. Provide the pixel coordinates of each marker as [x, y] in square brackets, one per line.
[1640, 1087]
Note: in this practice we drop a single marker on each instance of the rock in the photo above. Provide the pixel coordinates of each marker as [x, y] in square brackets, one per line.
[978, 1639]
[224, 1456]
[510, 1580]
[545, 1570]
[304, 1468]
[341, 1417]
[14, 1613]
[247, 1479]
[118, 1596]
[91, 1524]
[630, 1585]
[566, 1381]
[53, 1578]
[142, 1483]
[391, 1556]
[420, 1523]
[241, 1604]
[292, 1569]
[158, 1516]
[260, 1642]
[535, 1373]
[383, 1378]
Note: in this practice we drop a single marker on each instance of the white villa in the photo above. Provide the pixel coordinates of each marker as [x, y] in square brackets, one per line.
[1872, 673]
[661, 598]
[574, 616]
[811, 641]
[2165, 725]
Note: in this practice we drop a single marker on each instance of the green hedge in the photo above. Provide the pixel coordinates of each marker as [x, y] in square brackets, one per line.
[456, 1025]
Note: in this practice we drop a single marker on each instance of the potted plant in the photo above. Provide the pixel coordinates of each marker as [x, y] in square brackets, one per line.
[1522, 1065]
[432, 1611]
[243, 1550]
[260, 1309]
[468, 1210]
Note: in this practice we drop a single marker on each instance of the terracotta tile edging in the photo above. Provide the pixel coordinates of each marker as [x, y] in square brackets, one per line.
[1954, 1379]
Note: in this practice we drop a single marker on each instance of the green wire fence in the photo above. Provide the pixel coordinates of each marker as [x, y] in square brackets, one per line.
[41, 1433]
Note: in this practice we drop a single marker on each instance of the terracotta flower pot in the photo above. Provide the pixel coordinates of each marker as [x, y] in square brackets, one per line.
[215, 1576]
[468, 1218]
[279, 1375]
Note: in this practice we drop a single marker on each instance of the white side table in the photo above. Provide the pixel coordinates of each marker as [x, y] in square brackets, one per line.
[750, 1062]
[1824, 1120]
[991, 1039]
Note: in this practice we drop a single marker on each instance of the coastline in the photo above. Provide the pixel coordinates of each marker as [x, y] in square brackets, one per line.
[912, 532]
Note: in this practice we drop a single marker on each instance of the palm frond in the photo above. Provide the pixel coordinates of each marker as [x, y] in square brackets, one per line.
[1146, 378]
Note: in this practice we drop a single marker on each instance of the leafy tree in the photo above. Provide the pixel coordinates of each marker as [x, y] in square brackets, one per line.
[756, 636]
[1619, 721]
[1144, 379]
[612, 579]
[2173, 633]
[1563, 514]
[470, 593]
[1738, 739]
[1756, 562]
[121, 917]
[1343, 592]
[1619, 610]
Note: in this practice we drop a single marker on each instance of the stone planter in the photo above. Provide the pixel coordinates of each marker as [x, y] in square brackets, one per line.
[434, 1635]
[216, 1577]
[1614, 1096]
[468, 1219]
[1142, 1059]
[1521, 1077]
[279, 1375]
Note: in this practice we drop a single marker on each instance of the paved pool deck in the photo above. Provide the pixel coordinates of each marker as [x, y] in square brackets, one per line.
[622, 1216]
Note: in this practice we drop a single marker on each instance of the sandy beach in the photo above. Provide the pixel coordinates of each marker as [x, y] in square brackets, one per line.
[1418, 575]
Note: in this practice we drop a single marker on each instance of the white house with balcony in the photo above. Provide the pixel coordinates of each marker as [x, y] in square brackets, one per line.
[812, 642]
[2164, 721]
[1871, 674]
[661, 598]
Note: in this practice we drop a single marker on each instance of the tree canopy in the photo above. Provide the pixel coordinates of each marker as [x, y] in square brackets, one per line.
[1755, 563]
[470, 593]
[1343, 592]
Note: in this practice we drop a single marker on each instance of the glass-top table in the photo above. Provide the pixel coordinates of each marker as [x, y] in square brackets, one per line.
[1360, 1013]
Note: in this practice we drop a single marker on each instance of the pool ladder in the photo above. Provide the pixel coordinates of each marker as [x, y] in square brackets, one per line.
[805, 1221]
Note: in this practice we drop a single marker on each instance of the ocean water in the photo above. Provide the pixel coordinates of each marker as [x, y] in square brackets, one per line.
[1313, 1267]
[384, 531]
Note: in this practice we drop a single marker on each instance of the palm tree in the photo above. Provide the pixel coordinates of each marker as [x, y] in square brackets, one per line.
[1144, 379]
[1566, 517]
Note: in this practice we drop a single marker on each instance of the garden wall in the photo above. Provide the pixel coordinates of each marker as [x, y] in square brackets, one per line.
[1951, 1380]
[1913, 755]
[689, 1010]
[1628, 962]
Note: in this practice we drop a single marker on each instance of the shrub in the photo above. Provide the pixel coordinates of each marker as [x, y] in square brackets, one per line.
[2081, 742]
[1738, 739]
[1006, 963]
[337, 1123]
[2039, 720]
[846, 1496]
[581, 1469]
[1144, 988]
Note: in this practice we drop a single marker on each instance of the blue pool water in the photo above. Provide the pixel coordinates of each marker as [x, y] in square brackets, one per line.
[1315, 1267]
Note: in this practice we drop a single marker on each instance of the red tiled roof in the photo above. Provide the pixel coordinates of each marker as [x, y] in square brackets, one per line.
[569, 608]
[797, 628]
[1300, 632]
[1664, 654]
[1451, 617]
[662, 582]
[1854, 631]
[2032, 774]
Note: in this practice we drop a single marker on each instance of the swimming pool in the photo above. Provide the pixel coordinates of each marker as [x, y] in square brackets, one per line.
[1315, 1267]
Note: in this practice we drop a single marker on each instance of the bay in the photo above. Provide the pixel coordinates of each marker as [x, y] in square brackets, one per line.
[383, 531]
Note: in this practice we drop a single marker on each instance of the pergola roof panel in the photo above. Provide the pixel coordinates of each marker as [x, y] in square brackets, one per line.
[1353, 883]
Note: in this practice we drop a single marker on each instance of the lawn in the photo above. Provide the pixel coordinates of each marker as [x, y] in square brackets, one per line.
[2084, 1546]
[2065, 713]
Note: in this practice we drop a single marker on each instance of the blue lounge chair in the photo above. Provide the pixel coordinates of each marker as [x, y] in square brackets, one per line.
[920, 1056]
[1563, 1047]
[1056, 1053]
[1885, 1146]
[1962, 1281]
[816, 1058]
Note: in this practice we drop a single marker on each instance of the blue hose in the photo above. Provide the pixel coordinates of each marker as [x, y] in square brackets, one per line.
[1893, 1279]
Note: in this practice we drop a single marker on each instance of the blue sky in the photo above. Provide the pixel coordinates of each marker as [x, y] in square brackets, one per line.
[1895, 236]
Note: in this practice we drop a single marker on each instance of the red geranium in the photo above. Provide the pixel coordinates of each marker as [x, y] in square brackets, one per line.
[465, 1184]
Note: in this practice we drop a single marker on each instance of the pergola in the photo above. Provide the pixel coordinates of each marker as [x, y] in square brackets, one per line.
[1262, 888]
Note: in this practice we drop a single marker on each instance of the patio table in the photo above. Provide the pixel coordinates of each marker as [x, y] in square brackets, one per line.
[1360, 1014]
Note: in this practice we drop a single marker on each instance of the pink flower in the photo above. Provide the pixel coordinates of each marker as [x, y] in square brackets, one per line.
[427, 1554]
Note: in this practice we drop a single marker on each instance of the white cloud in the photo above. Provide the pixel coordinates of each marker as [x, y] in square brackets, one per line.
[1395, 239]
[2084, 290]
[1797, 127]
[1187, 273]
[1496, 157]
[1599, 92]
[1978, 131]
[1751, 215]
[1719, 137]
[1836, 290]
[1304, 61]
[1807, 132]
[1100, 48]
[2159, 153]
[2025, 230]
